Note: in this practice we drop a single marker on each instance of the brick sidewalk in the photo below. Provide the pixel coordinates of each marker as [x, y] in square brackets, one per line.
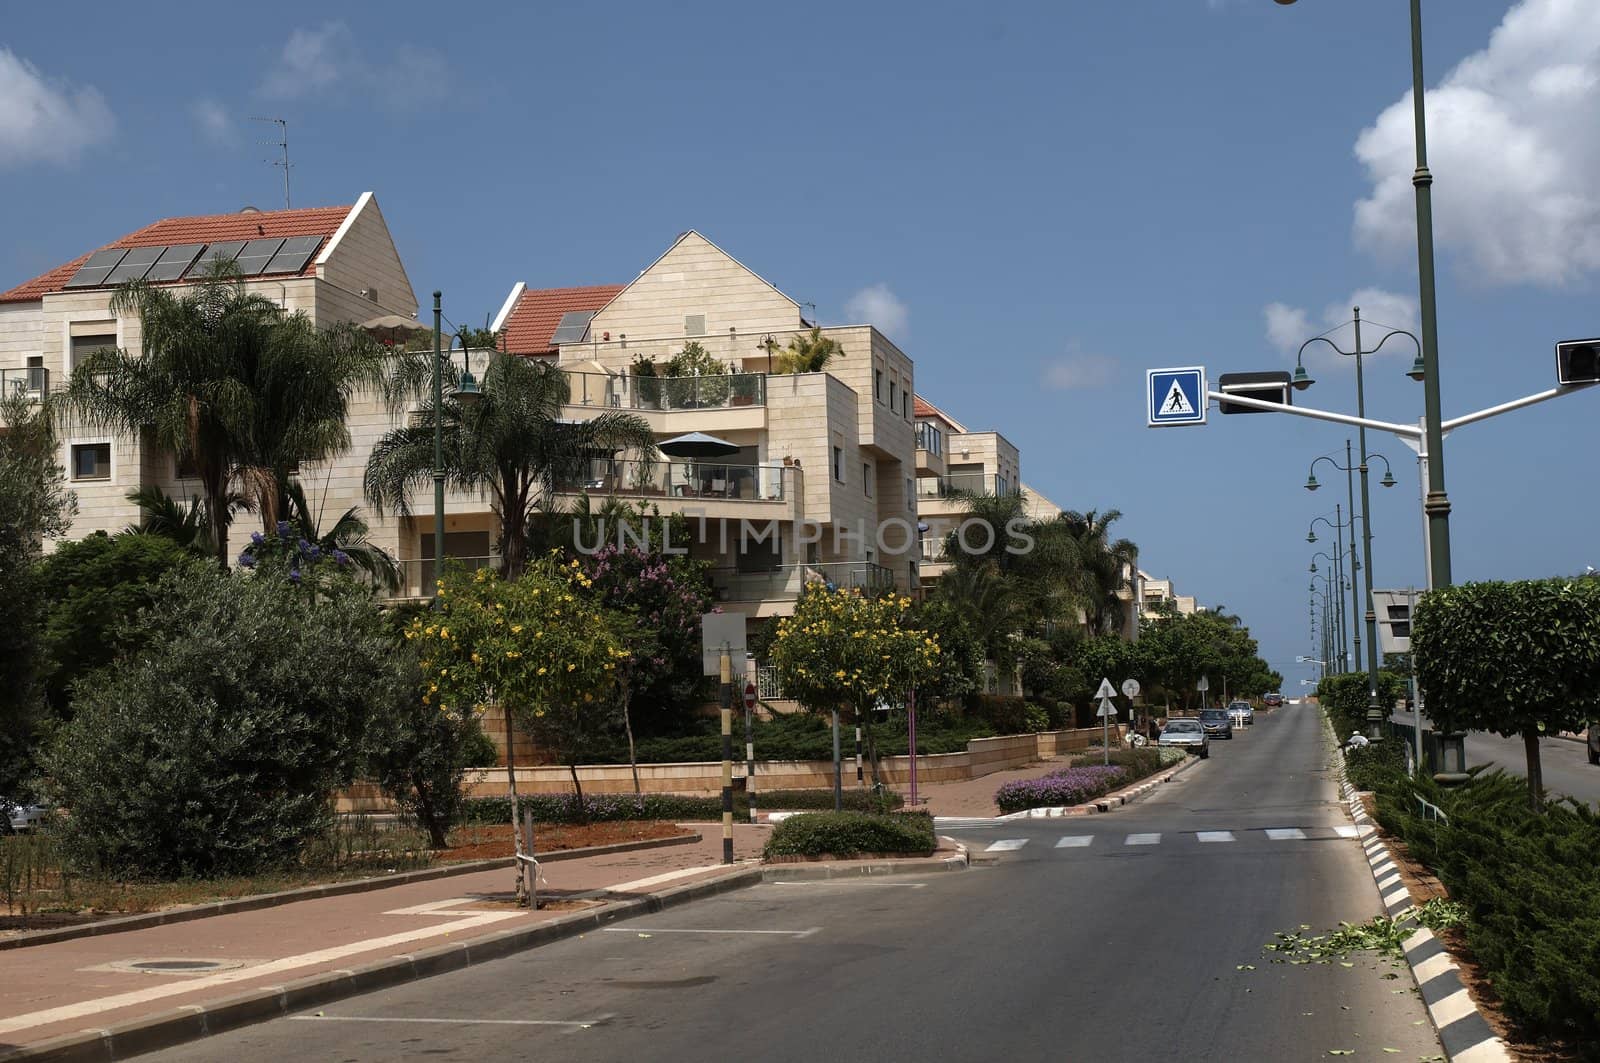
[49, 990]
[975, 797]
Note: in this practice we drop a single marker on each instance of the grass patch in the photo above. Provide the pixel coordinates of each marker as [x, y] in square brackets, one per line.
[852, 834]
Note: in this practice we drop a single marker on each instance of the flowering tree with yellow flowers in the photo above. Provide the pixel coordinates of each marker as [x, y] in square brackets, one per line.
[539, 645]
[844, 650]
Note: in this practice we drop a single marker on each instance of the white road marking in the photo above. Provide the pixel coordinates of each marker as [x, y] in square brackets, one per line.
[656, 880]
[1075, 841]
[1006, 845]
[1344, 830]
[1143, 839]
[1284, 834]
[1214, 835]
[690, 930]
[846, 882]
[584, 1023]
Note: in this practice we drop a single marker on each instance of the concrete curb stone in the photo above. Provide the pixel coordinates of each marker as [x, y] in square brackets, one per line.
[166, 1029]
[146, 920]
[1463, 1031]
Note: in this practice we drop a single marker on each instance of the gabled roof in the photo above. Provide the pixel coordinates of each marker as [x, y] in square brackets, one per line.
[681, 238]
[923, 408]
[536, 312]
[199, 229]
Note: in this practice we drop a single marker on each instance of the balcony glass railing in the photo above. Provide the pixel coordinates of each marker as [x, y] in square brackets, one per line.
[787, 581]
[969, 483]
[932, 549]
[629, 392]
[32, 382]
[930, 438]
[680, 479]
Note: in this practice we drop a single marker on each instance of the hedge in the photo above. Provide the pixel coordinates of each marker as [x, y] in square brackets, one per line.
[1344, 698]
[1528, 881]
[563, 808]
[851, 834]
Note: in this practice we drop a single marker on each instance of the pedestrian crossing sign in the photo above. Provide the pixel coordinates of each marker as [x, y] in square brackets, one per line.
[1176, 396]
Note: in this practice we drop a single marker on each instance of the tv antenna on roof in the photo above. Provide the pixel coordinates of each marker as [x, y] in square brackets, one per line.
[282, 143]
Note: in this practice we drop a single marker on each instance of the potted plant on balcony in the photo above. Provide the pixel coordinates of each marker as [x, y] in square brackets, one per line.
[695, 379]
[647, 382]
[746, 389]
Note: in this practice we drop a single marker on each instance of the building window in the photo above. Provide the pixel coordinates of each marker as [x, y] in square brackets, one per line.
[911, 496]
[905, 404]
[866, 479]
[91, 461]
[83, 346]
[894, 390]
[877, 385]
[838, 464]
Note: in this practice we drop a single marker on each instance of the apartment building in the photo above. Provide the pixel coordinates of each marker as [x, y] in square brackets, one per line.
[334, 264]
[1159, 597]
[816, 482]
[952, 461]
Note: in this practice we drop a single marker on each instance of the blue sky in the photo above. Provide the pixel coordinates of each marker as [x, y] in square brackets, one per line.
[1037, 201]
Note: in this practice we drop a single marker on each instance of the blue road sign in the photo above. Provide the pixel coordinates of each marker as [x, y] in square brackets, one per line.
[1176, 396]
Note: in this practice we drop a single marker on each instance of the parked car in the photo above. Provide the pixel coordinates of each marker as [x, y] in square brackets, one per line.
[1594, 743]
[1216, 722]
[26, 817]
[1186, 733]
[1272, 700]
[1241, 713]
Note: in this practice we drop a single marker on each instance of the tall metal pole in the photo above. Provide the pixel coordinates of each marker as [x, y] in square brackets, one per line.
[1339, 575]
[1437, 505]
[1375, 713]
[1355, 565]
[438, 445]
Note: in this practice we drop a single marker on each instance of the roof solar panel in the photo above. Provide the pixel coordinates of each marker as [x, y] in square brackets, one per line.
[224, 251]
[135, 264]
[296, 252]
[94, 271]
[171, 265]
[256, 254]
[574, 323]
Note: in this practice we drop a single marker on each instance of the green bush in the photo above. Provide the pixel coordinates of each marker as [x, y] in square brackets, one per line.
[1527, 879]
[851, 834]
[1006, 713]
[1369, 767]
[1344, 698]
[1037, 717]
[562, 808]
[214, 749]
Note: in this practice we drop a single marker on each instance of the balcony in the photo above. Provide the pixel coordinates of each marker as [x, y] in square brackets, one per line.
[624, 391]
[964, 483]
[712, 480]
[930, 450]
[30, 383]
[787, 581]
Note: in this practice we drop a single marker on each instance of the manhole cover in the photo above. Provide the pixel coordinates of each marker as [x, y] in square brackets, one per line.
[170, 965]
[177, 965]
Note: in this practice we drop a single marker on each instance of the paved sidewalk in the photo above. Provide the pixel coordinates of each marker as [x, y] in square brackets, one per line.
[52, 990]
[975, 797]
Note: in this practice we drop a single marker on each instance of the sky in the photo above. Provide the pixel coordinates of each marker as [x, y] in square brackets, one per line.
[1037, 202]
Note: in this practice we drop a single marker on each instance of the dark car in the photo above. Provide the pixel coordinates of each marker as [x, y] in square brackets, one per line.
[1272, 700]
[1594, 743]
[1216, 722]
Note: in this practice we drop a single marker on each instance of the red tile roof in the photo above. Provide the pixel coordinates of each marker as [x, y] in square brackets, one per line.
[538, 311]
[922, 409]
[198, 229]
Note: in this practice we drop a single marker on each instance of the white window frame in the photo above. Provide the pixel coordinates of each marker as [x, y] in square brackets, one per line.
[868, 479]
[78, 318]
[91, 441]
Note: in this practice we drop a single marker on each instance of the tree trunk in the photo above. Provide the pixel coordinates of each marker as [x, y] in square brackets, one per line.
[428, 814]
[872, 747]
[522, 891]
[583, 813]
[1530, 742]
[633, 758]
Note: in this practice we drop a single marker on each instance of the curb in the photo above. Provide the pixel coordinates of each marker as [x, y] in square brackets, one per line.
[1100, 804]
[1464, 1033]
[857, 869]
[195, 1021]
[188, 913]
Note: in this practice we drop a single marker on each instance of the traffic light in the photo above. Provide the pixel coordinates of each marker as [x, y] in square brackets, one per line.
[1272, 386]
[1577, 362]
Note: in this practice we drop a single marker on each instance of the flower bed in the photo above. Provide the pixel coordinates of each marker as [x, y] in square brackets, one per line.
[1069, 786]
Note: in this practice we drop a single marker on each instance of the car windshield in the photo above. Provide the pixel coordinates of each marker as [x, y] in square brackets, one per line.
[1183, 725]
[1238, 705]
[1213, 714]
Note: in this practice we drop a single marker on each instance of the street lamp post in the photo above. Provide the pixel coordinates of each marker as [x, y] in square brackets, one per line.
[1339, 524]
[466, 394]
[1437, 503]
[1339, 618]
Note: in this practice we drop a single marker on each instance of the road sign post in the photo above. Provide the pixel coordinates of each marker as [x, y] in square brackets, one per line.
[1203, 686]
[1175, 396]
[1130, 690]
[1108, 709]
[750, 748]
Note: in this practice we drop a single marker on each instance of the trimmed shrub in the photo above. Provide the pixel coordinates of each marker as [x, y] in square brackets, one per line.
[1370, 767]
[563, 808]
[1344, 698]
[851, 834]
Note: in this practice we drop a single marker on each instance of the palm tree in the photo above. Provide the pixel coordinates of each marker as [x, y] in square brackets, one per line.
[161, 514]
[347, 535]
[1106, 566]
[513, 443]
[809, 352]
[990, 603]
[228, 384]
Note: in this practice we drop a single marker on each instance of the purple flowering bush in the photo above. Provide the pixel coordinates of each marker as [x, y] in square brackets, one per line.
[1067, 786]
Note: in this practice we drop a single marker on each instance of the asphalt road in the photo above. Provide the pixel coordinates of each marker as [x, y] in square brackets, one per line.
[1564, 763]
[1126, 946]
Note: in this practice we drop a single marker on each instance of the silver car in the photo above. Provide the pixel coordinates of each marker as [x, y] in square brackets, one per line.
[1187, 734]
[24, 818]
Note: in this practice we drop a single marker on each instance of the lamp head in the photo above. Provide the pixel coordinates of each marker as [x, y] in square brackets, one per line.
[1301, 379]
[1311, 536]
[1388, 479]
[1311, 481]
[1418, 370]
[466, 391]
[1313, 566]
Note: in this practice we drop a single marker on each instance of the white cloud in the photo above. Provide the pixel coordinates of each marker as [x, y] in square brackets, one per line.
[877, 305]
[1290, 326]
[213, 120]
[45, 121]
[1513, 143]
[315, 60]
[1079, 371]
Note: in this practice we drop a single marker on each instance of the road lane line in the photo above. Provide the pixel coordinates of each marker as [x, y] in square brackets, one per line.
[1214, 835]
[1284, 834]
[1006, 845]
[1143, 839]
[1075, 841]
[1345, 830]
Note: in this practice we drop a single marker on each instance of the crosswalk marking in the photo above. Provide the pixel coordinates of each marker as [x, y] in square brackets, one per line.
[1006, 845]
[1214, 835]
[1074, 841]
[1347, 831]
[1284, 834]
[1143, 839]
